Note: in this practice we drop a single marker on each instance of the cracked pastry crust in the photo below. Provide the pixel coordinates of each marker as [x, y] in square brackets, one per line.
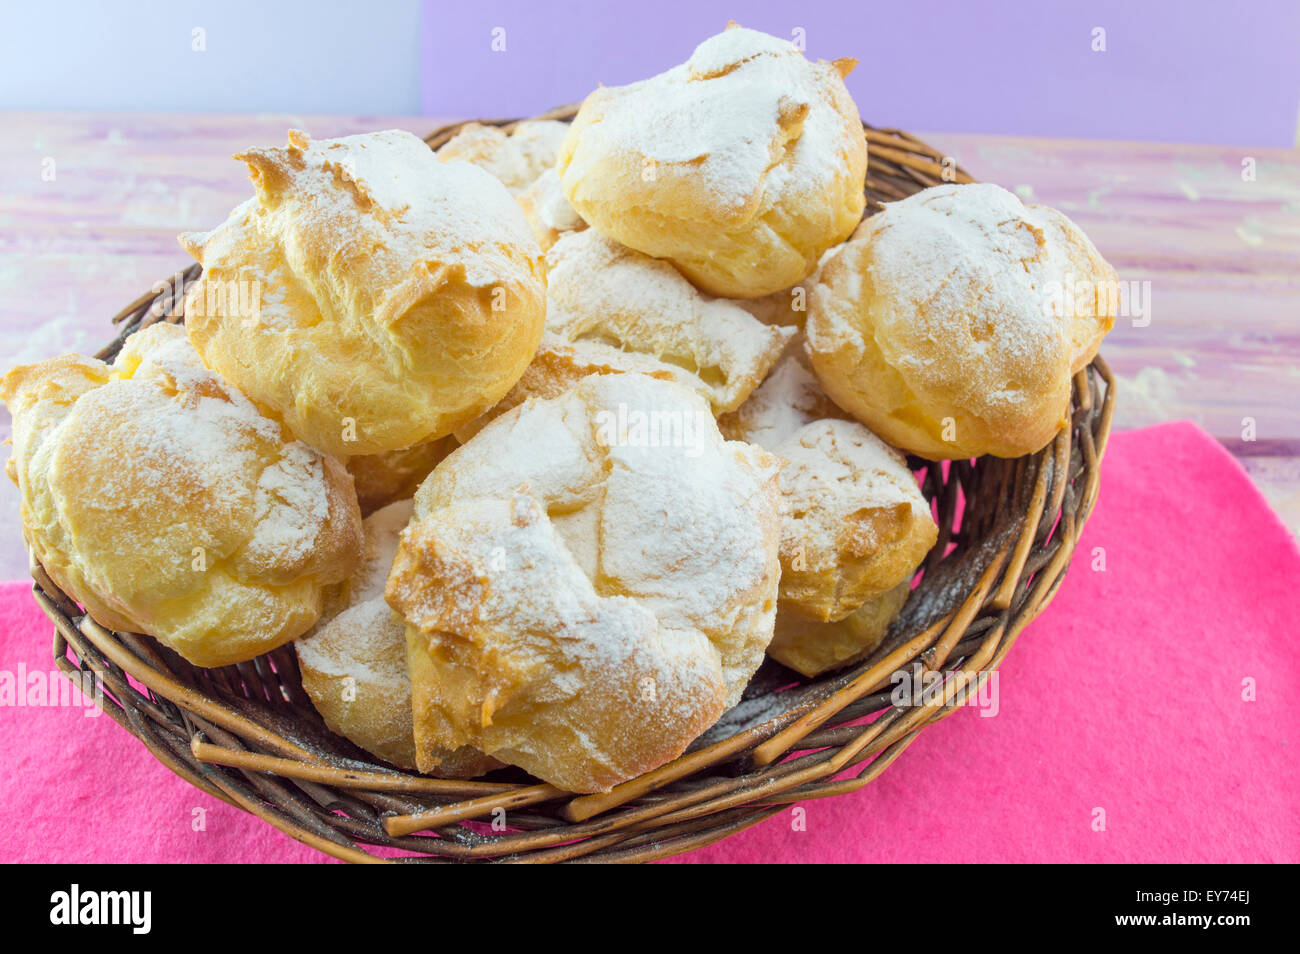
[789, 397]
[560, 364]
[371, 296]
[584, 598]
[600, 291]
[944, 326]
[855, 527]
[161, 499]
[516, 158]
[548, 210]
[740, 166]
[353, 663]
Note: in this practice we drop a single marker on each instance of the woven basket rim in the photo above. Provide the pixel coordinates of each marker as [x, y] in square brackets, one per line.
[247, 734]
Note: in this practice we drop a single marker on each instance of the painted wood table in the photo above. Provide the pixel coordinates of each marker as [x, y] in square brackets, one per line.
[90, 205]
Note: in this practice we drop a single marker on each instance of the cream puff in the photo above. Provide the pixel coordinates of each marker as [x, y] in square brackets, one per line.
[370, 296]
[953, 322]
[741, 166]
[588, 583]
[163, 500]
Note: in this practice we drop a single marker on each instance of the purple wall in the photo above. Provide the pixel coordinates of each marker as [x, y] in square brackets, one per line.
[1191, 71]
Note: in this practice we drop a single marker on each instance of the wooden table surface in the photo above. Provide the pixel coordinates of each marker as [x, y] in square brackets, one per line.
[90, 205]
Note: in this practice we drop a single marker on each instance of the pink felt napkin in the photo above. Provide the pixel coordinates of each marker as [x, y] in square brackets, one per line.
[1148, 715]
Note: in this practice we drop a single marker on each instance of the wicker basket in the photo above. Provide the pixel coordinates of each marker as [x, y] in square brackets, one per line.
[248, 735]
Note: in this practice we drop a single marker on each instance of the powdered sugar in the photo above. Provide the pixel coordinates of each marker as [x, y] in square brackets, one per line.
[362, 638]
[193, 423]
[358, 644]
[842, 460]
[489, 148]
[684, 528]
[598, 289]
[538, 142]
[516, 157]
[732, 48]
[553, 207]
[383, 529]
[853, 520]
[386, 200]
[788, 398]
[966, 264]
[745, 105]
[291, 506]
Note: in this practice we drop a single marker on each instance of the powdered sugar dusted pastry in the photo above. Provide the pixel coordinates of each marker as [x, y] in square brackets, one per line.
[354, 663]
[384, 478]
[855, 525]
[161, 499]
[584, 593]
[548, 210]
[944, 326]
[560, 364]
[539, 142]
[515, 157]
[740, 166]
[489, 148]
[394, 297]
[599, 290]
[788, 398]
[854, 528]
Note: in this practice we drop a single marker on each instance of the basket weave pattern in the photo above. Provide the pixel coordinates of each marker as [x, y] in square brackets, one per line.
[248, 734]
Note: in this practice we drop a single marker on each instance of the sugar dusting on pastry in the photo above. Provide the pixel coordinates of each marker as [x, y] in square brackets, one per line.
[987, 245]
[162, 499]
[401, 296]
[290, 506]
[354, 663]
[937, 327]
[616, 670]
[600, 290]
[732, 112]
[560, 364]
[789, 397]
[516, 158]
[554, 209]
[855, 526]
[548, 209]
[606, 593]
[427, 211]
[741, 166]
[354, 666]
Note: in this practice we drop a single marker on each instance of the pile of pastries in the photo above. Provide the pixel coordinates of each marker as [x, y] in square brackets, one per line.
[537, 445]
